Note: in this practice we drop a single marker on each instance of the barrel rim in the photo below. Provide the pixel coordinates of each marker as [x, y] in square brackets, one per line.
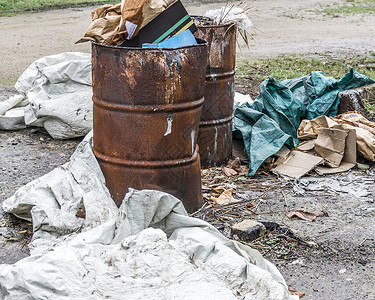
[201, 44]
[211, 26]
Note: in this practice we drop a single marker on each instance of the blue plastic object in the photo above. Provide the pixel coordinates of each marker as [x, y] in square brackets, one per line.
[185, 38]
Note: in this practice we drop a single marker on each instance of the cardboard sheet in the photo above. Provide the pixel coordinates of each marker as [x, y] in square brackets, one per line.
[335, 148]
[298, 164]
[306, 145]
[349, 157]
[330, 144]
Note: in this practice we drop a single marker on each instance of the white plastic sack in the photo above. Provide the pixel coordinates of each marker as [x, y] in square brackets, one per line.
[55, 92]
[147, 249]
[230, 14]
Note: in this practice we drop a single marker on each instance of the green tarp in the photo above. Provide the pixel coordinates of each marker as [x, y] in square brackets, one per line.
[272, 120]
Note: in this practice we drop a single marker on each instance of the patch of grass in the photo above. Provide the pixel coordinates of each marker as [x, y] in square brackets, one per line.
[9, 7]
[288, 67]
[349, 7]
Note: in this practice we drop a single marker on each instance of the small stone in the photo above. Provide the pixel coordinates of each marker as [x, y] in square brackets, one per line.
[362, 167]
[362, 262]
[249, 230]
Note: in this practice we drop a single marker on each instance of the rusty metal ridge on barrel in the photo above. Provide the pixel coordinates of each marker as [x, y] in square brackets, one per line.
[215, 128]
[147, 107]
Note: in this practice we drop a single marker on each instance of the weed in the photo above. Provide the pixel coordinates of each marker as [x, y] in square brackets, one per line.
[273, 241]
[15, 6]
[282, 253]
[350, 7]
[292, 66]
[368, 106]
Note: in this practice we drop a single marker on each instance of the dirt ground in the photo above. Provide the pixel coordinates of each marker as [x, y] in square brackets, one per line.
[330, 258]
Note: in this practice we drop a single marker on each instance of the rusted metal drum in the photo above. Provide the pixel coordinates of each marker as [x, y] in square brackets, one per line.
[147, 106]
[215, 128]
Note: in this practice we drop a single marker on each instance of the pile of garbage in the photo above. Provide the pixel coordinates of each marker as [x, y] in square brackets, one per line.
[84, 246]
[304, 108]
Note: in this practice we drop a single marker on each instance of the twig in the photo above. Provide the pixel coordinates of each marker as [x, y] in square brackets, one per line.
[364, 240]
[203, 206]
[270, 212]
[285, 200]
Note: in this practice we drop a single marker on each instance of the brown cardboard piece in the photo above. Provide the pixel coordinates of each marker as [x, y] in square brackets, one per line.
[335, 147]
[349, 121]
[297, 164]
[348, 160]
[306, 145]
[330, 144]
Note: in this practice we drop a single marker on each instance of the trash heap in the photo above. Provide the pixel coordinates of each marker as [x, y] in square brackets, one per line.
[84, 246]
[304, 108]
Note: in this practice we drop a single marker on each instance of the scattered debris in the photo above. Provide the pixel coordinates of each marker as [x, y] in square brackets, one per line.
[365, 139]
[297, 164]
[137, 233]
[307, 216]
[226, 197]
[292, 291]
[229, 171]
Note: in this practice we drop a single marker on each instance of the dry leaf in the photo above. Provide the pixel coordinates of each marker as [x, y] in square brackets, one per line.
[219, 189]
[292, 291]
[249, 205]
[307, 216]
[229, 171]
[234, 164]
[225, 198]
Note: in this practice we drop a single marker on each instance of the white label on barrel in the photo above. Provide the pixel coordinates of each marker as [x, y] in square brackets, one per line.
[169, 124]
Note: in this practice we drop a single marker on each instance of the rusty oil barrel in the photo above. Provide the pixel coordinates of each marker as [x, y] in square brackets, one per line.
[147, 106]
[215, 128]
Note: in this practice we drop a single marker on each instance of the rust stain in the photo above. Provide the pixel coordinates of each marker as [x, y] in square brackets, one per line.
[215, 129]
[147, 107]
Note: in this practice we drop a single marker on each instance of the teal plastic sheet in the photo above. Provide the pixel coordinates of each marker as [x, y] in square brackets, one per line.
[272, 120]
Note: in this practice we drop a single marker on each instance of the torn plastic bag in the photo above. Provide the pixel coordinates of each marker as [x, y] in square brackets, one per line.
[282, 106]
[56, 93]
[149, 248]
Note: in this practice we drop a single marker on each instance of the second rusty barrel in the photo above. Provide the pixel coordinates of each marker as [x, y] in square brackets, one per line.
[215, 128]
[147, 106]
